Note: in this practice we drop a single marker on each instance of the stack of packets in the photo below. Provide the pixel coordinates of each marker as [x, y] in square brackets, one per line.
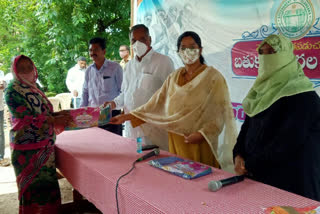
[184, 168]
[292, 210]
[89, 117]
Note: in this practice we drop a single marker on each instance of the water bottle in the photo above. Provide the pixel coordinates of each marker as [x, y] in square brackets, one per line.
[139, 145]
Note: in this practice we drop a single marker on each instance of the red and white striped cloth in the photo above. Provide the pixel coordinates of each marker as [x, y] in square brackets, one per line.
[93, 159]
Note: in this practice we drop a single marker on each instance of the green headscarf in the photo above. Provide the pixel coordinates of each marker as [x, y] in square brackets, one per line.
[279, 75]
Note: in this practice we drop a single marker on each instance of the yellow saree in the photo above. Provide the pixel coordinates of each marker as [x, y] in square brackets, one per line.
[200, 105]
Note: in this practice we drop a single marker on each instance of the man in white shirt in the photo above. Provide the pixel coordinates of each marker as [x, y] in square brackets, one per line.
[143, 76]
[75, 79]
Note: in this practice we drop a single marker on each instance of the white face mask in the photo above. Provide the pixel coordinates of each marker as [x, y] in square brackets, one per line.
[189, 56]
[139, 48]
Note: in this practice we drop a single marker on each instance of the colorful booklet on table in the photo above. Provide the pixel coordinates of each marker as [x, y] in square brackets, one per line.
[89, 117]
[292, 210]
[184, 168]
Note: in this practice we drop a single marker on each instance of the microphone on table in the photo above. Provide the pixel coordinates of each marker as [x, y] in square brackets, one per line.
[216, 185]
[154, 152]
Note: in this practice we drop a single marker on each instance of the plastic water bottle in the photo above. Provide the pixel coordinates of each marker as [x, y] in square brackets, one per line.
[139, 145]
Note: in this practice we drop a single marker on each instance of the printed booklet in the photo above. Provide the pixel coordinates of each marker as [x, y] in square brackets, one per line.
[184, 168]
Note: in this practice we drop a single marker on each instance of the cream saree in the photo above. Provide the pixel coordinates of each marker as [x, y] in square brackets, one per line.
[202, 105]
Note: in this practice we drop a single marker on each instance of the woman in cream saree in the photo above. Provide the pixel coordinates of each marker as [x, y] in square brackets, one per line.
[194, 106]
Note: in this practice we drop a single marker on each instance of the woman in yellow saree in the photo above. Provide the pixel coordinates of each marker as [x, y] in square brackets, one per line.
[194, 106]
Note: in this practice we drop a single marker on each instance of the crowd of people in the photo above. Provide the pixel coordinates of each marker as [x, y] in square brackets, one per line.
[183, 111]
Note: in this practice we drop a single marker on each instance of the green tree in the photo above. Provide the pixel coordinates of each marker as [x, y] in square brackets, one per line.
[55, 33]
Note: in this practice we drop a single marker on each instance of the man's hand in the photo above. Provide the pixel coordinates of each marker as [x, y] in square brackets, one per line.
[239, 165]
[195, 137]
[112, 105]
[120, 119]
[75, 93]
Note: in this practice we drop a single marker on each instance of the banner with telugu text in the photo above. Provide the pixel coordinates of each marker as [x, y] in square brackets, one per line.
[231, 30]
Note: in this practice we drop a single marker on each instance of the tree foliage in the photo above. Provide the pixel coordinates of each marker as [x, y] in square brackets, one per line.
[54, 33]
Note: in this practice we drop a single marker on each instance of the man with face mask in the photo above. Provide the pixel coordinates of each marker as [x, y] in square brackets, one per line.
[102, 82]
[124, 52]
[143, 76]
[75, 79]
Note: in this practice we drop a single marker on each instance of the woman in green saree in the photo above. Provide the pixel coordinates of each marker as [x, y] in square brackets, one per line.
[32, 140]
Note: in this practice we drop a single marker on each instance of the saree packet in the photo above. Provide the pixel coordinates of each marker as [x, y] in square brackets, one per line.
[183, 168]
[292, 210]
[89, 117]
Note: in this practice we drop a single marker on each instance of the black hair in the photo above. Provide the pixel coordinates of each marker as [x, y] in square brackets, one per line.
[100, 41]
[126, 46]
[81, 58]
[195, 37]
[139, 26]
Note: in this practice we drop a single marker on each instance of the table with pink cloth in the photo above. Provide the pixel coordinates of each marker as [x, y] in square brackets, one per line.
[93, 159]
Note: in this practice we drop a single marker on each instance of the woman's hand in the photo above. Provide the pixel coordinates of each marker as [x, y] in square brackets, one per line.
[195, 137]
[62, 118]
[120, 119]
[61, 113]
[239, 165]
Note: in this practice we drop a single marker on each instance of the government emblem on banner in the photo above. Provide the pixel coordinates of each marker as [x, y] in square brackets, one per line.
[294, 18]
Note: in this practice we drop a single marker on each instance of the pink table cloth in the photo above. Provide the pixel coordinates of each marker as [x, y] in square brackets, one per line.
[93, 159]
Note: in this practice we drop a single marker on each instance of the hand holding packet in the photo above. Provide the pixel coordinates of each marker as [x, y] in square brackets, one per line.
[89, 117]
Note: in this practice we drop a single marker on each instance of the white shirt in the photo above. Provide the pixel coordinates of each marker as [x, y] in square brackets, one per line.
[141, 81]
[75, 79]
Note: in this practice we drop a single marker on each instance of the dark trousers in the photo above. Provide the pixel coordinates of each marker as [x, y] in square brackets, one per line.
[116, 129]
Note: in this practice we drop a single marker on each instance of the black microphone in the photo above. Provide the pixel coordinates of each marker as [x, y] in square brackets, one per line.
[154, 152]
[216, 185]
